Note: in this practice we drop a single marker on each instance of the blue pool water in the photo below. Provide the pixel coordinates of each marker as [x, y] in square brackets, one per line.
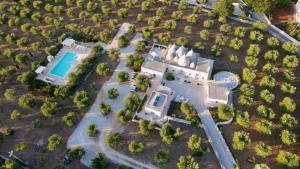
[62, 67]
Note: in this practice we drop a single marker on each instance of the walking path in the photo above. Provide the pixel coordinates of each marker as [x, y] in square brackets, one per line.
[107, 124]
[196, 95]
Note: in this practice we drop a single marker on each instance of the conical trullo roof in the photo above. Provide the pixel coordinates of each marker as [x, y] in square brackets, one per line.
[191, 53]
[176, 58]
[184, 61]
[170, 56]
[171, 52]
[192, 65]
[180, 51]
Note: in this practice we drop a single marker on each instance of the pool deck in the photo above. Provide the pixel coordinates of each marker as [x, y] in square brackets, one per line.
[46, 76]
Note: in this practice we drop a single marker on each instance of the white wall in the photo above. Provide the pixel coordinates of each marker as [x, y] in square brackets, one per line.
[152, 72]
[188, 72]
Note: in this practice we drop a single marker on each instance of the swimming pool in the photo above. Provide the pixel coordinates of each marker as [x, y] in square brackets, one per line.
[62, 67]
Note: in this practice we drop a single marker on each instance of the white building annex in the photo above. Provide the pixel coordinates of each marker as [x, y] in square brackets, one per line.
[178, 60]
[159, 101]
[185, 65]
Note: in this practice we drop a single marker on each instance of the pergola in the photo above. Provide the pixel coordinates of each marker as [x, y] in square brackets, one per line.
[68, 42]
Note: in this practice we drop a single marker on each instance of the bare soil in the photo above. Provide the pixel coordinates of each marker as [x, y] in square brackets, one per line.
[178, 148]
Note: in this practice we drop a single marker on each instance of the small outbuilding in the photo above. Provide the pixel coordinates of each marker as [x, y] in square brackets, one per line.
[68, 42]
[217, 94]
[154, 68]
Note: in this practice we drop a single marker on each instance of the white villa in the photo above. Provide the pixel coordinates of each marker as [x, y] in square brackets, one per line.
[177, 60]
[189, 66]
[63, 63]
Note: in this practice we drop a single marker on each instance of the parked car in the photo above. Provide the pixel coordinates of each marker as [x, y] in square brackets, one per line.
[67, 159]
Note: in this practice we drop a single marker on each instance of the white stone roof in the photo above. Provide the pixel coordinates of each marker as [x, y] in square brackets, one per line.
[217, 92]
[68, 42]
[192, 65]
[40, 69]
[180, 51]
[155, 65]
[184, 61]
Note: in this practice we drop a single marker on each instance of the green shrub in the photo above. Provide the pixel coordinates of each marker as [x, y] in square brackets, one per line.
[123, 41]
[92, 130]
[245, 100]
[256, 36]
[253, 50]
[123, 76]
[177, 15]
[204, 35]
[104, 108]
[140, 46]
[267, 82]
[265, 112]
[37, 124]
[49, 108]
[239, 32]
[20, 147]
[221, 40]
[236, 44]
[99, 162]
[170, 76]
[273, 42]
[146, 127]
[103, 69]
[264, 126]
[9, 94]
[27, 102]
[53, 142]
[164, 38]
[76, 153]
[147, 32]
[263, 149]
[287, 159]
[135, 147]
[225, 28]
[194, 144]
[288, 137]
[161, 157]
[249, 75]
[124, 116]
[267, 96]
[288, 88]
[290, 47]
[69, 119]
[181, 41]
[243, 119]
[82, 99]
[113, 93]
[15, 115]
[187, 162]
[290, 61]
[113, 54]
[113, 139]
[225, 112]
[288, 121]
[208, 23]
[168, 134]
[288, 105]
[260, 25]
[247, 89]
[271, 55]
[241, 140]
[132, 101]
